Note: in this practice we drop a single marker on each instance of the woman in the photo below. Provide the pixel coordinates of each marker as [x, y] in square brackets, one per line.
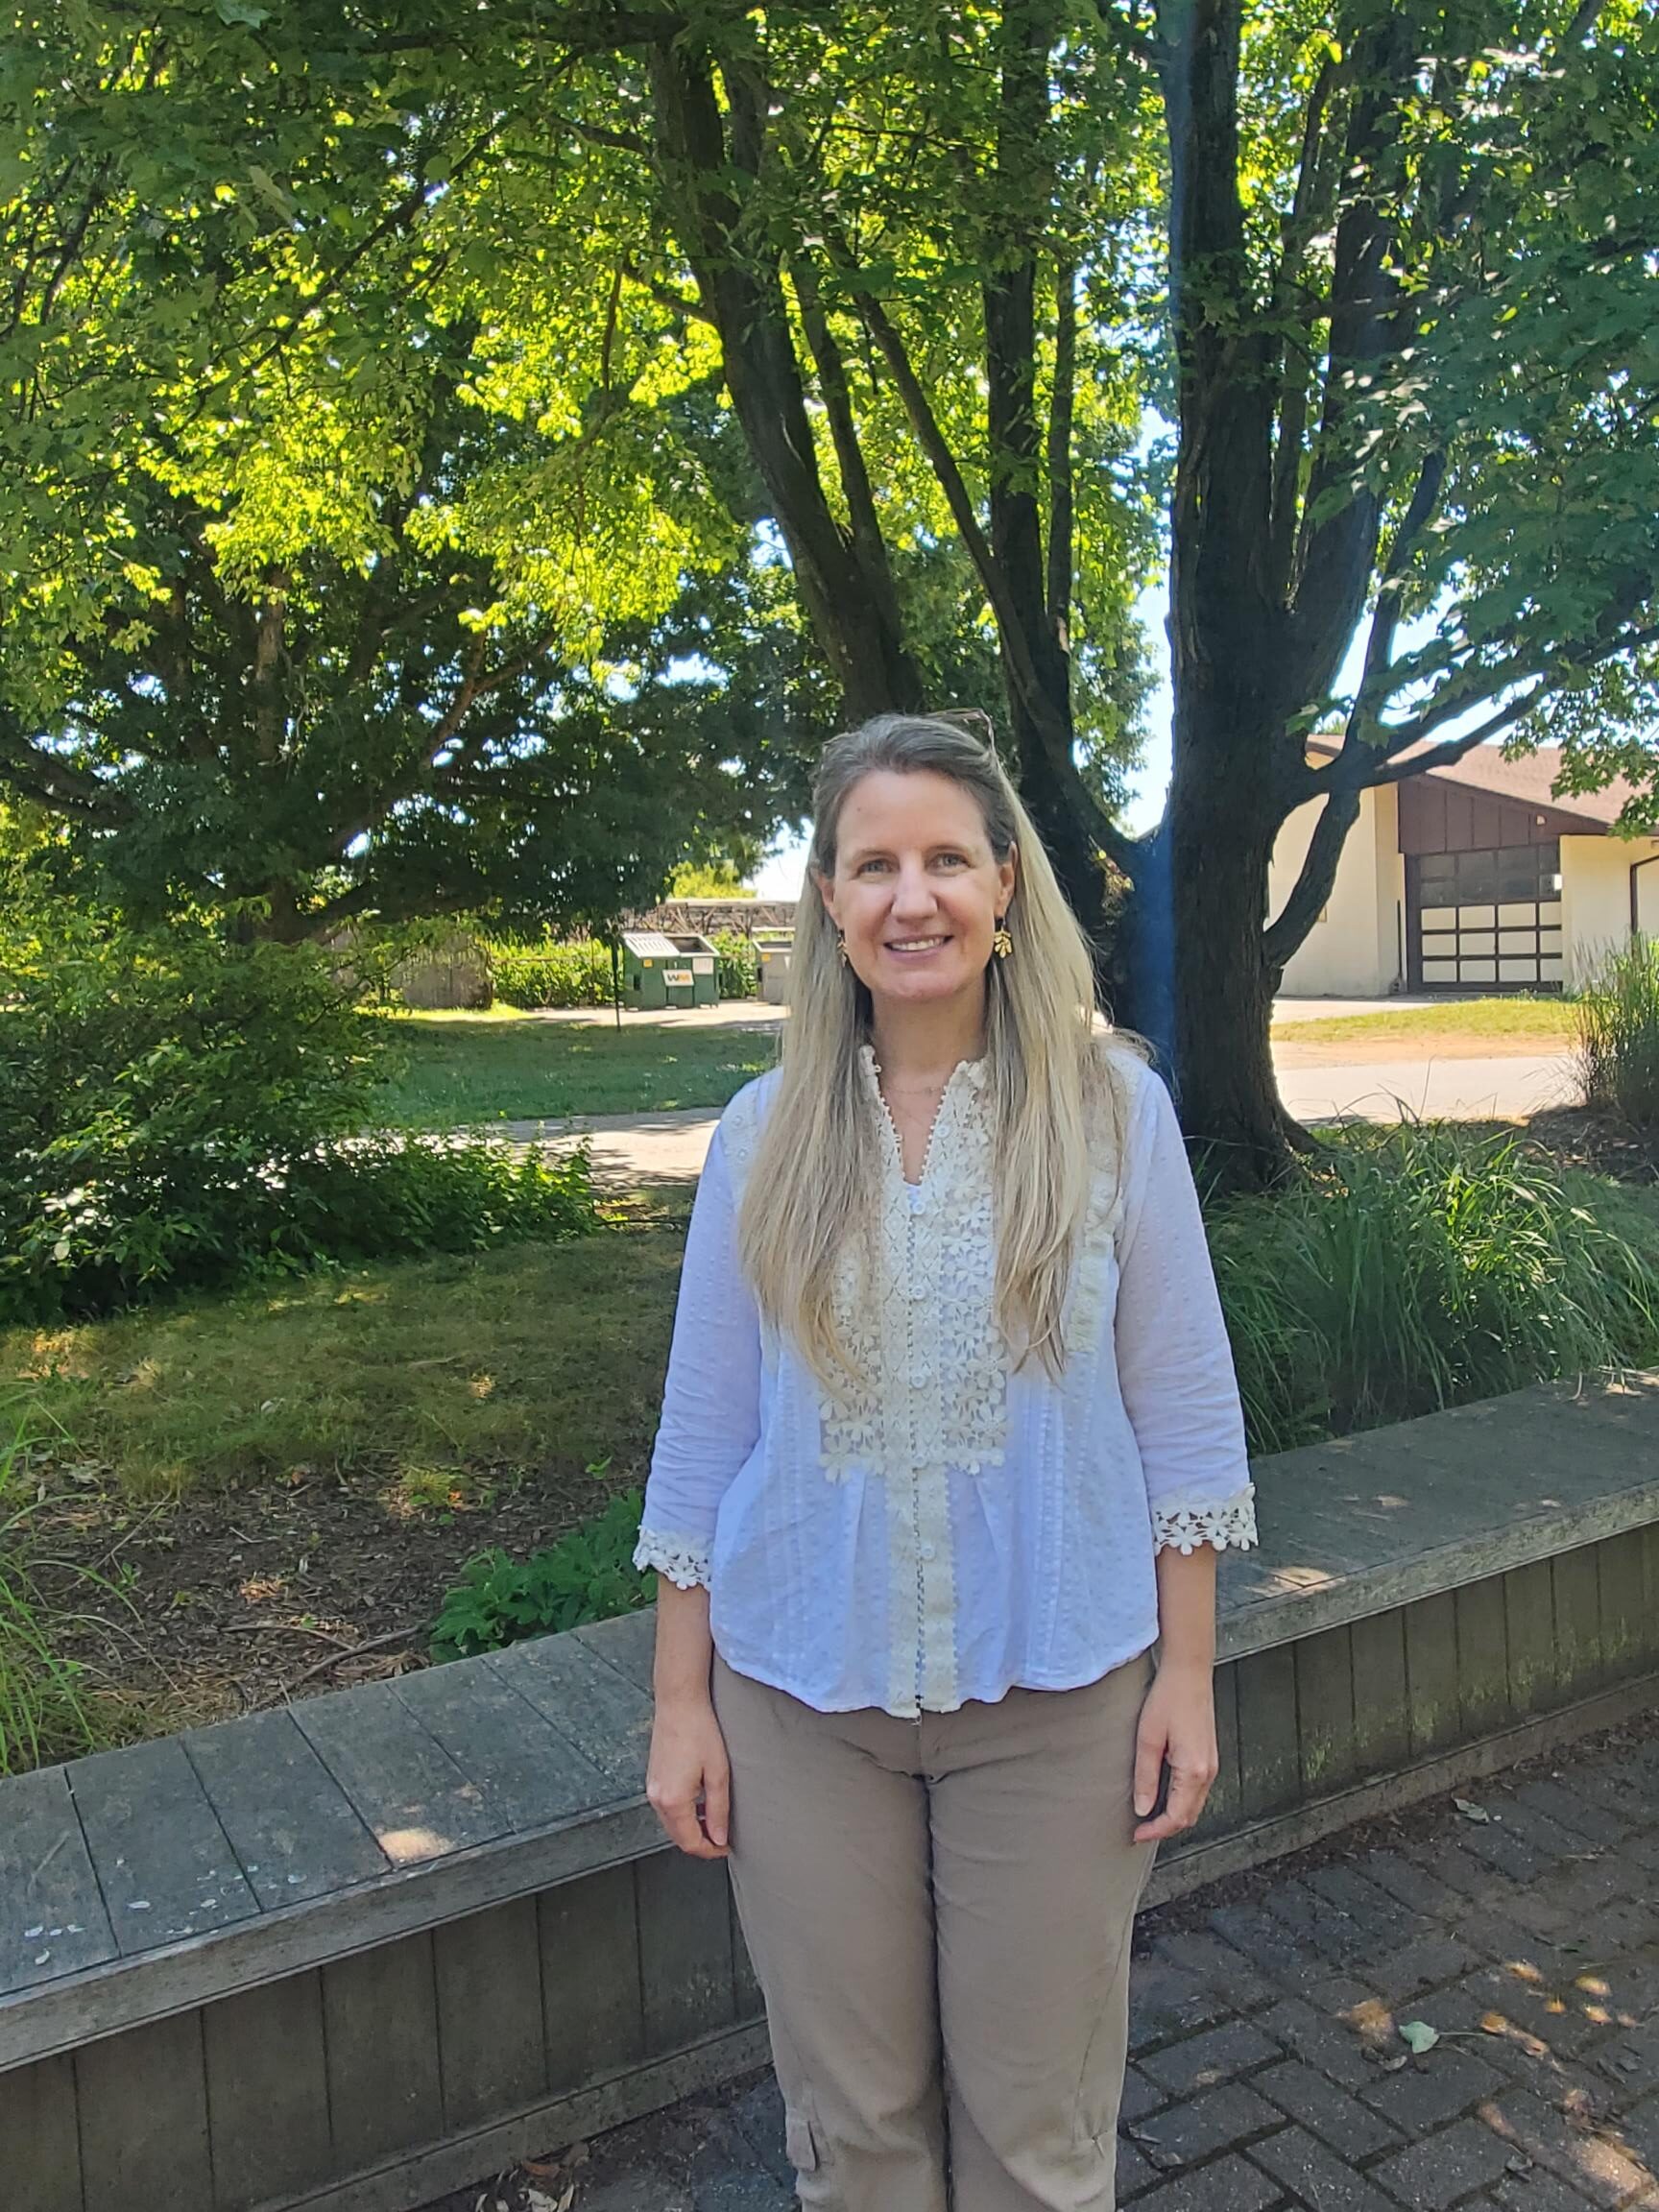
[951, 1437]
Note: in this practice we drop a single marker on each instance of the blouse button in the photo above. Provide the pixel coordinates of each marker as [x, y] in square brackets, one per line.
[926, 1550]
[919, 1374]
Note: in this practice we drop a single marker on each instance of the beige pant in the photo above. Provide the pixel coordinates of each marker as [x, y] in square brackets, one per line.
[939, 1912]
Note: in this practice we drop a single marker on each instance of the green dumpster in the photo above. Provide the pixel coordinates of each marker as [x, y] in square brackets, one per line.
[663, 970]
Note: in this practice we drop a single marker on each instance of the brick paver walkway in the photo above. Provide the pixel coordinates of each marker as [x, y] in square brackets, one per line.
[1268, 2065]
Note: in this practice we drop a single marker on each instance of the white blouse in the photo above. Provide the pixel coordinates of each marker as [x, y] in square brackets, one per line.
[956, 1529]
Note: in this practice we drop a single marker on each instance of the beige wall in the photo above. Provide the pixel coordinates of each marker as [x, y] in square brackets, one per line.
[1647, 893]
[1355, 952]
[1596, 897]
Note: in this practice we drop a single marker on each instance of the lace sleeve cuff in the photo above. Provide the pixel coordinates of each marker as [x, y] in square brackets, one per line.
[1185, 1521]
[684, 1561]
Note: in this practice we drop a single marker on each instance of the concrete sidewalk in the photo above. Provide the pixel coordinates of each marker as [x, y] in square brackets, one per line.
[1268, 2070]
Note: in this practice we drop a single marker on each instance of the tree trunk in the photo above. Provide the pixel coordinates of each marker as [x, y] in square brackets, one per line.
[1221, 986]
[710, 153]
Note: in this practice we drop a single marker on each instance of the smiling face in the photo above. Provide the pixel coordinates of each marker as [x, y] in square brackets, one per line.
[917, 890]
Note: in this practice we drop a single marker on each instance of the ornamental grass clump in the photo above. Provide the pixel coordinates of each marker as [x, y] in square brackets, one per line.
[1416, 1267]
[46, 1712]
[1617, 1044]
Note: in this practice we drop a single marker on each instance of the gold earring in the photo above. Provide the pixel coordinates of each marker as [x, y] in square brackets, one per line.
[841, 948]
[1002, 944]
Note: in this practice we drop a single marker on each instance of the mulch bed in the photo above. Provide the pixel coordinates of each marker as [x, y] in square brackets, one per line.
[1593, 1141]
[232, 1600]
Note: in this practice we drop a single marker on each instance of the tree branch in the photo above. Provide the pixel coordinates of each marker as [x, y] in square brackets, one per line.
[665, 295]
[56, 784]
[1583, 21]
[599, 30]
[1391, 769]
[1386, 614]
[1290, 414]
[1335, 555]
[600, 134]
[837, 395]
[363, 897]
[1062, 407]
[1313, 883]
[890, 345]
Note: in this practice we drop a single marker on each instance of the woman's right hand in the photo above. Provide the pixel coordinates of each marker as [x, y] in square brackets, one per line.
[688, 1778]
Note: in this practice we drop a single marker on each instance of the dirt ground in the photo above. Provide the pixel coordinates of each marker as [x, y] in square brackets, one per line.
[230, 1601]
[236, 1599]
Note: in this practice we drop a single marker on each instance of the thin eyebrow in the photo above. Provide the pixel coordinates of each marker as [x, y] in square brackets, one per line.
[886, 851]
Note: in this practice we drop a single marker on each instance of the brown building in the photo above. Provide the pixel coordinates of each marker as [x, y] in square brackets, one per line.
[1472, 877]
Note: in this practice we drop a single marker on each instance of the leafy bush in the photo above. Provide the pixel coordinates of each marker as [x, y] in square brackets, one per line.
[1418, 1266]
[552, 974]
[176, 1112]
[588, 1574]
[739, 965]
[46, 1711]
[1617, 1018]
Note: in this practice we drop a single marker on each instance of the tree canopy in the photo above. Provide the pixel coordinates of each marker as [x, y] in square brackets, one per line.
[323, 589]
[887, 349]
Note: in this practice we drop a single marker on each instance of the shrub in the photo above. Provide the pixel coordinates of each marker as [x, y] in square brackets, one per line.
[46, 1711]
[1416, 1267]
[173, 1039]
[588, 1574]
[1617, 1020]
[552, 974]
[175, 1112]
[739, 965]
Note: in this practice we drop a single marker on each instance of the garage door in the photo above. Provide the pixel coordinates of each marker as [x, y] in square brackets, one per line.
[1487, 921]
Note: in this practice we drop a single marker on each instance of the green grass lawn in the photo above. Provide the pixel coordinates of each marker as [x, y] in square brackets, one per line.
[1547, 1022]
[497, 1364]
[461, 1071]
[502, 1362]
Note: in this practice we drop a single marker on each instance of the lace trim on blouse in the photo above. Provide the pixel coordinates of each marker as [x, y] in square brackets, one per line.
[933, 1385]
[680, 1558]
[1183, 1523]
[931, 1390]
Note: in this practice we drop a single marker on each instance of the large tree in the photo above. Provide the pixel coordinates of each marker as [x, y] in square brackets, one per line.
[1388, 271]
[321, 600]
[313, 725]
[1412, 260]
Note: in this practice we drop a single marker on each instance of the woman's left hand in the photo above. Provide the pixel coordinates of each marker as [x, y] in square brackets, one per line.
[1177, 1724]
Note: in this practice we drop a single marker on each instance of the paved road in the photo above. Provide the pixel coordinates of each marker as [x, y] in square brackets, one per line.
[1436, 1089]
[1268, 2068]
[751, 1014]
[670, 1147]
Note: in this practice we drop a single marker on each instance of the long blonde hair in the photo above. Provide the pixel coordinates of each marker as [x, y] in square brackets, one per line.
[1055, 1104]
